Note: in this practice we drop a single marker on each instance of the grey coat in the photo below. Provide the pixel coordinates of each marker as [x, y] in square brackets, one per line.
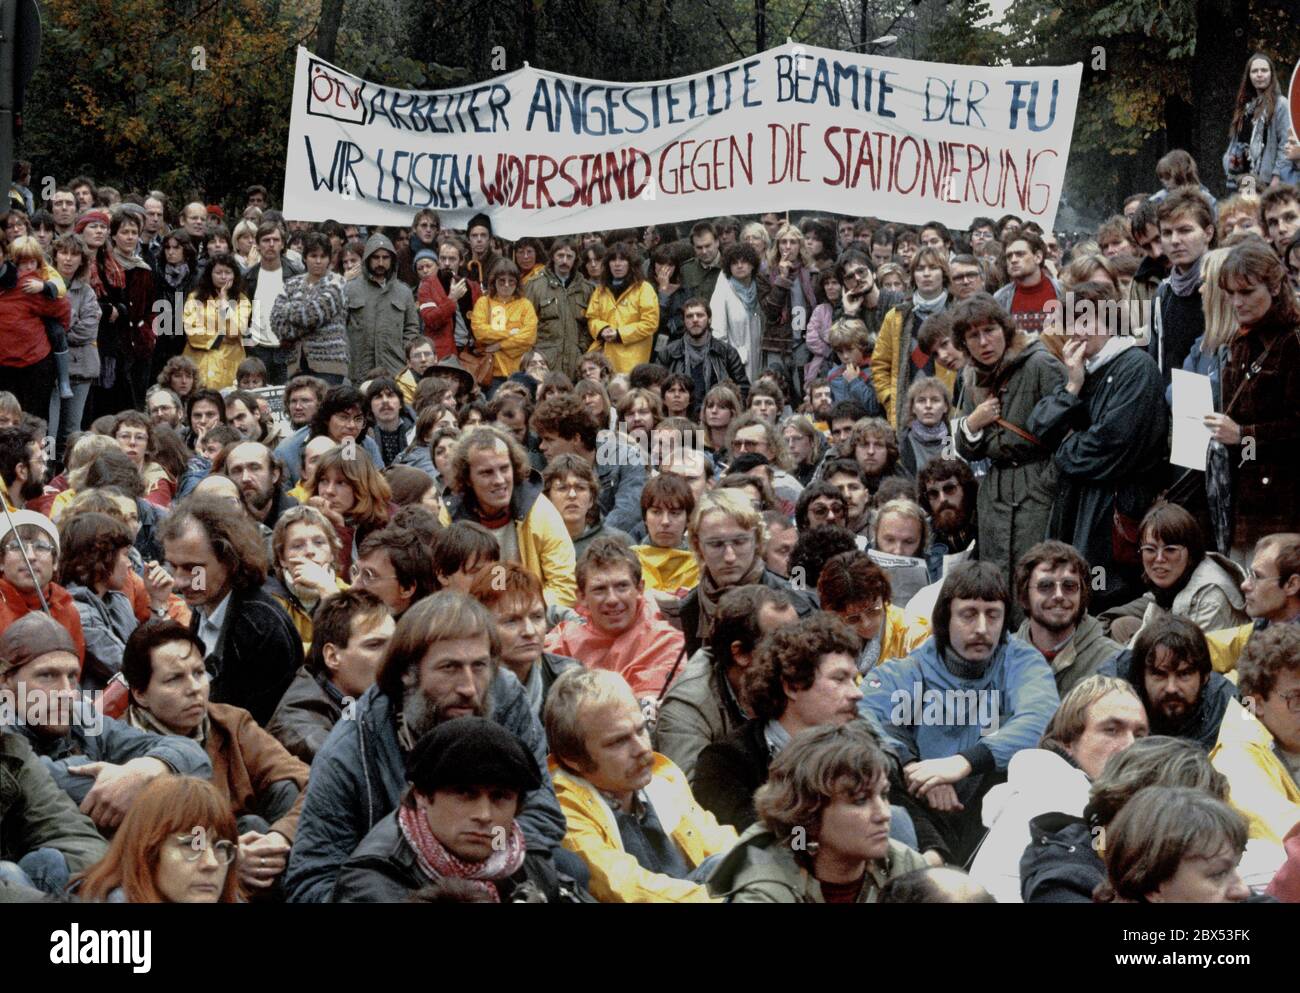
[1273, 161]
[83, 331]
[382, 318]
[106, 622]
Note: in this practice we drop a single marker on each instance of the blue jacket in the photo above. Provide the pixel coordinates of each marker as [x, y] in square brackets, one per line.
[1017, 682]
[359, 774]
[117, 743]
[861, 389]
[620, 467]
[289, 452]
[1206, 365]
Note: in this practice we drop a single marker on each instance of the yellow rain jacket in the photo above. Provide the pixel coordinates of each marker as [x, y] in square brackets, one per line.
[1259, 784]
[510, 323]
[637, 312]
[668, 569]
[214, 339]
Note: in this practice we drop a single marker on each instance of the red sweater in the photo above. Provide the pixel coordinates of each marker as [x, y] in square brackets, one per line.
[14, 605]
[437, 314]
[23, 341]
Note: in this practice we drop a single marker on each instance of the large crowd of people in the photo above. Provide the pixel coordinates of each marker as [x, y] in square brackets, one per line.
[752, 560]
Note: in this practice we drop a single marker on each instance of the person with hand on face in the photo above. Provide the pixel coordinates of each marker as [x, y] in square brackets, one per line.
[304, 550]
[823, 828]
[630, 815]
[456, 820]
[1052, 585]
[851, 342]
[381, 313]
[951, 763]
[1099, 717]
[177, 844]
[440, 664]
[1105, 472]
[100, 762]
[618, 629]
[447, 298]
[353, 497]
[1174, 845]
[261, 782]
[216, 320]
[503, 322]
[350, 633]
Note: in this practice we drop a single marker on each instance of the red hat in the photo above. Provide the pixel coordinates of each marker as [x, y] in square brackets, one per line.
[216, 211]
[89, 216]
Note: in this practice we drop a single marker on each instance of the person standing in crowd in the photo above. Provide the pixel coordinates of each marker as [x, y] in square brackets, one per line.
[1010, 372]
[265, 283]
[737, 308]
[1261, 124]
[504, 323]
[216, 320]
[1260, 384]
[1109, 475]
[897, 359]
[560, 296]
[700, 273]
[73, 261]
[623, 311]
[1177, 316]
[1031, 287]
[381, 313]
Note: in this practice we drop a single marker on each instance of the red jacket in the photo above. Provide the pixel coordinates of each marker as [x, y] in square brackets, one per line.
[437, 314]
[23, 341]
[14, 605]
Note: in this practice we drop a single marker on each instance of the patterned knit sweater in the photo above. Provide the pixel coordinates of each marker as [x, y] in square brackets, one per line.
[311, 322]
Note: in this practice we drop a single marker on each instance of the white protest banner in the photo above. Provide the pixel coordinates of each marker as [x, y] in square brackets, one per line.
[791, 128]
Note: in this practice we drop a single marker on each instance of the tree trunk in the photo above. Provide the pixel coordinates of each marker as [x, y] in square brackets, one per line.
[327, 31]
[1222, 47]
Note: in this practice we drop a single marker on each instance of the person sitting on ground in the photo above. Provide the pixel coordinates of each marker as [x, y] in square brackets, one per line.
[395, 565]
[1053, 588]
[456, 820]
[262, 783]
[668, 565]
[1272, 594]
[304, 550]
[461, 552]
[952, 758]
[1061, 863]
[101, 763]
[178, 844]
[571, 484]
[618, 628]
[1100, 717]
[352, 631]
[856, 590]
[29, 557]
[706, 703]
[1171, 844]
[1259, 740]
[823, 828]
[630, 815]
[1169, 667]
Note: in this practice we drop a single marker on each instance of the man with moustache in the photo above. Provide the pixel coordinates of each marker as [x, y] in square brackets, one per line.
[382, 315]
[256, 471]
[1272, 594]
[1169, 666]
[560, 295]
[948, 489]
[441, 663]
[1052, 587]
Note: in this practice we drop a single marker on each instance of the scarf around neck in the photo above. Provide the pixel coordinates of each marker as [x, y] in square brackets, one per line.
[1185, 283]
[748, 295]
[176, 274]
[710, 594]
[437, 862]
[929, 435]
[142, 720]
[924, 308]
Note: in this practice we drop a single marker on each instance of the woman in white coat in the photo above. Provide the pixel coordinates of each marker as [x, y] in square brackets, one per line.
[737, 306]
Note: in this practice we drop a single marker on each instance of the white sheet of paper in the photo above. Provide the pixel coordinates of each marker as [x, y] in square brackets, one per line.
[1193, 399]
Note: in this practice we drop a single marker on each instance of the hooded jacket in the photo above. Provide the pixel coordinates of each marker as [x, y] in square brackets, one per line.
[1060, 864]
[616, 876]
[382, 317]
[15, 604]
[643, 654]
[1086, 653]
[359, 775]
[1014, 503]
[635, 313]
[1039, 781]
[36, 813]
[763, 869]
[561, 318]
[1261, 787]
[545, 548]
[1017, 680]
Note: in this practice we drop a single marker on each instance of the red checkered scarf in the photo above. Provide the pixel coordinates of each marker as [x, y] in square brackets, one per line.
[436, 862]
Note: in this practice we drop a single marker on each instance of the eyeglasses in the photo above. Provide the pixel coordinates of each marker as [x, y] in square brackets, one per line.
[965, 277]
[820, 510]
[192, 847]
[33, 548]
[1255, 577]
[1155, 551]
[1046, 587]
[737, 544]
[856, 273]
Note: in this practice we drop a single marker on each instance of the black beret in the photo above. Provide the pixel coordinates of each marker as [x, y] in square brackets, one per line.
[471, 751]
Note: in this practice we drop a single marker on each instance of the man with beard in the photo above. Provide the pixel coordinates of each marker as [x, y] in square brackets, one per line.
[846, 476]
[163, 407]
[704, 358]
[393, 424]
[1052, 587]
[22, 466]
[820, 401]
[302, 398]
[1169, 666]
[440, 664]
[382, 315]
[257, 473]
[947, 487]
[958, 708]
[559, 295]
